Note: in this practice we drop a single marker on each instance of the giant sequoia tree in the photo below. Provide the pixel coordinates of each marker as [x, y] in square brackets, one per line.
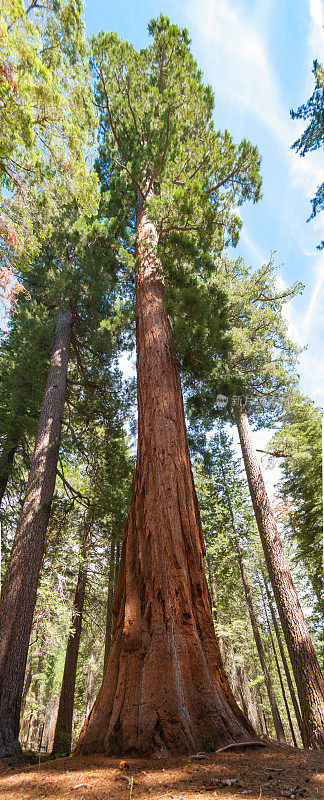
[176, 179]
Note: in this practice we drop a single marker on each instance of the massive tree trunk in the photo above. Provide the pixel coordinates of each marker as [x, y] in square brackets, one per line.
[63, 728]
[19, 591]
[164, 687]
[308, 676]
[8, 453]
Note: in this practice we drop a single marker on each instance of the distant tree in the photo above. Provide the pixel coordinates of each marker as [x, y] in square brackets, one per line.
[46, 120]
[300, 441]
[313, 136]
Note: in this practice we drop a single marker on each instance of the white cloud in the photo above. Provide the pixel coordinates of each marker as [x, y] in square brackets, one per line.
[315, 38]
[253, 248]
[316, 12]
[306, 329]
[239, 60]
[315, 296]
[233, 39]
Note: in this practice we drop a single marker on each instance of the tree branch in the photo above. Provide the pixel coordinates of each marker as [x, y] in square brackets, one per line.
[232, 174]
[160, 165]
[74, 492]
[114, 132]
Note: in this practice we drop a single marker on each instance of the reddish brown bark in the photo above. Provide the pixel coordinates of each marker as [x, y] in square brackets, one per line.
[19, 591]
[63, 728]
[164, 687]
[308, 676]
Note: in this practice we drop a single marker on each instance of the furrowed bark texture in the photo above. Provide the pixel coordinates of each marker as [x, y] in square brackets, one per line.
[63, 728]
[19, 590]
[308, 676]
[164, 687]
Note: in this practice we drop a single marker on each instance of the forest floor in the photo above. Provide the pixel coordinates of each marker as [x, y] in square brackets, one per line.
[260, 774]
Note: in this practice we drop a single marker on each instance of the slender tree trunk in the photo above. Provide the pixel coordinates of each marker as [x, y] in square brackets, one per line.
[90, 682]
[27, 683]
[164, 687]
[117, 561]
[281, 682]
[231, 669]
[249, 701]
[35, 715]
[285, 665]
[28, 732]
[63, 728]
[50, 718]
[213, 594]
[109, 614]
[9, 449]
[308, 676]
[280, 734]
[19, 591]
[260, 701]
[213, 588]
[34, 669]
[254, 623]
[262, 725]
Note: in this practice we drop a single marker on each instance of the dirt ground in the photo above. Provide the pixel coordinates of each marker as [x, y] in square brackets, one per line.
[259, 774]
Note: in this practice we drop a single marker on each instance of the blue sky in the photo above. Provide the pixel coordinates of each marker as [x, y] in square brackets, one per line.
[258, 55]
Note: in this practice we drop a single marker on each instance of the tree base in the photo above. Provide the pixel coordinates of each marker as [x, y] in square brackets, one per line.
[164, 688]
